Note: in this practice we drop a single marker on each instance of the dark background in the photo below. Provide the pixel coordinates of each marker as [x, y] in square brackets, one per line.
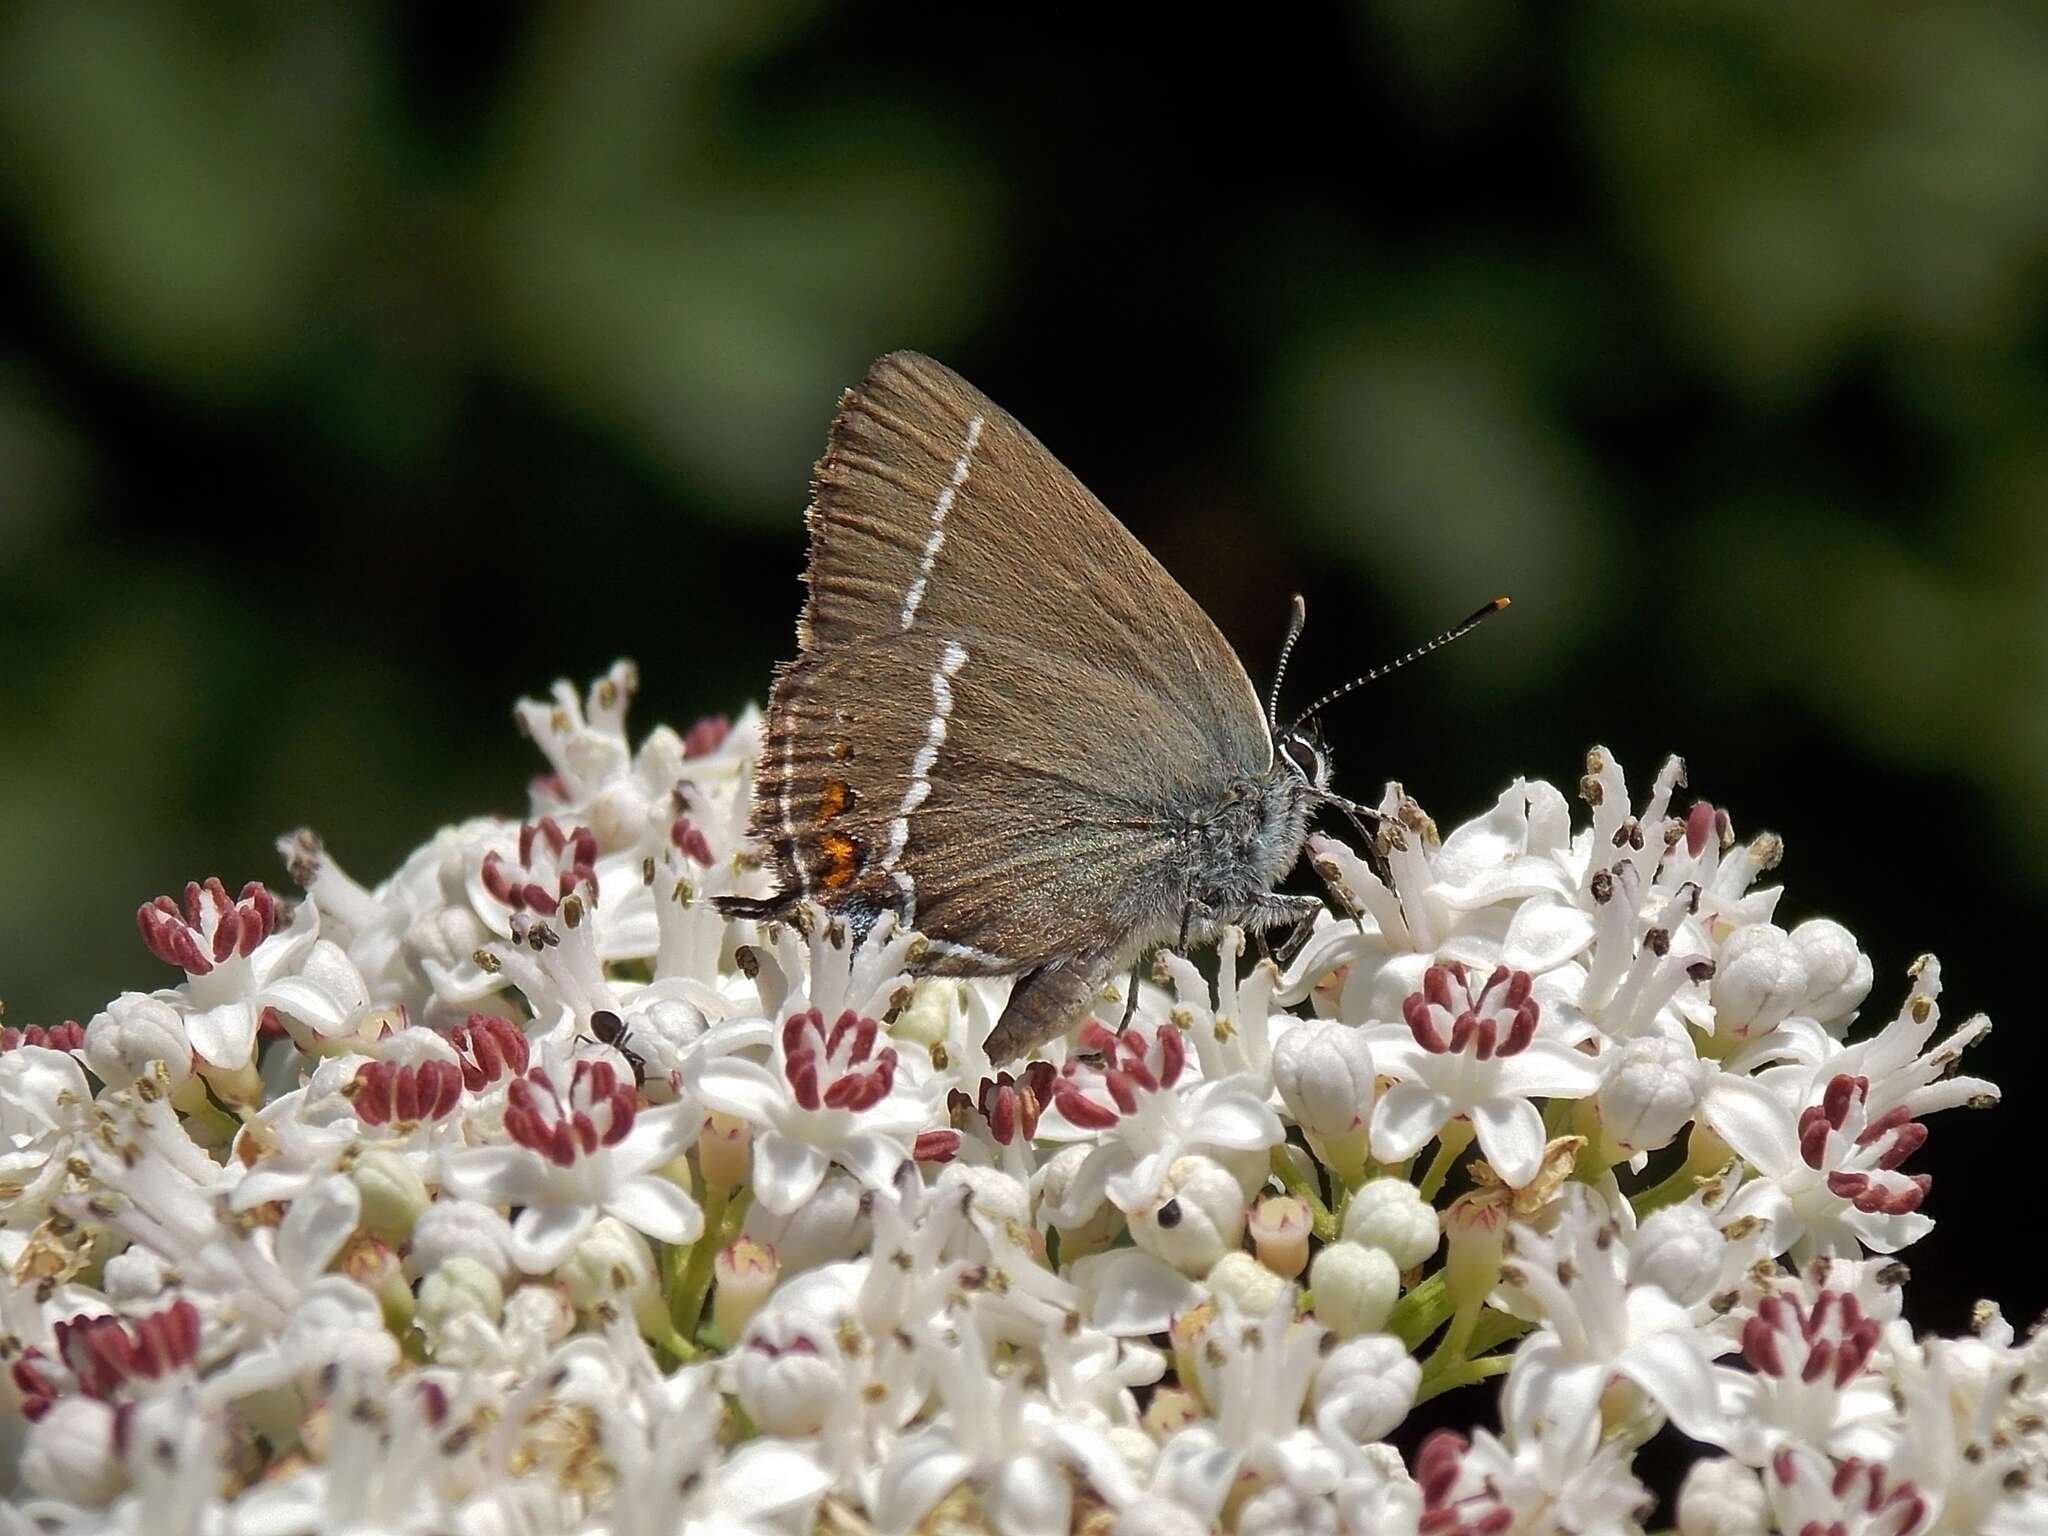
[363, 367]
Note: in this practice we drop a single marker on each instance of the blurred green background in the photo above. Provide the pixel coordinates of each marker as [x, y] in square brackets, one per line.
[366, 366]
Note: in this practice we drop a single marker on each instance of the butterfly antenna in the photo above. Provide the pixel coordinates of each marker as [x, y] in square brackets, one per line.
[1464, 627]
[1294, 628]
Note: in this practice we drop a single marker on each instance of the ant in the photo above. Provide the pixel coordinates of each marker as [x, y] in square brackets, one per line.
[611, 1030]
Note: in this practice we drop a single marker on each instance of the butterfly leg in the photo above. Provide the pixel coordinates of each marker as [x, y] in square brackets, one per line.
[1297, 914]
[1045, 1004]
[1131, 997]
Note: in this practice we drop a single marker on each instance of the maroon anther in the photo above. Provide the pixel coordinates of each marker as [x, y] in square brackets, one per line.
[490, 1048]
[597, 1111]
[936, 1146]
[1900, 1134]
[1439, 1463]
[547, 855]
[691, 842]
[37, 1391]
[1832, 1341]
[1863, 1484]
[211, 928]
[837, 1068]
[1133, 1063]
[434, 1402]
[706, 736]
[1010, 1105]
[1449, 1015]
[68, 1036]
[384, 1093]
[104, 1353]
[1699, 828]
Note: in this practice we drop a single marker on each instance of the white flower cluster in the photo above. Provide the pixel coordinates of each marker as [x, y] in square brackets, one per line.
[524, 1193]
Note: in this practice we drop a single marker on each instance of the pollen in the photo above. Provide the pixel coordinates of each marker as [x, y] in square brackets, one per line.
[842, 857]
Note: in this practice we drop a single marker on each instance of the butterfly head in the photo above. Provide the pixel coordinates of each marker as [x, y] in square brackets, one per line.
[1305, 755]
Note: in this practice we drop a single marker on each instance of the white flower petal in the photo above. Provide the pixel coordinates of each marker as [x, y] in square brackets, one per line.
[223, 1036]
[765, 1477]
[1511, 1136]
[1753, 1121]
[656, 1207]
[787, 1172]
[1406, 1116]
[732, 1085]
[1549, 1069]
[1131, 1293]
[1544, 934]
[316, 1226]
[922, 1472]
[1233, 1117]
[495, 1175]
[543, 1236]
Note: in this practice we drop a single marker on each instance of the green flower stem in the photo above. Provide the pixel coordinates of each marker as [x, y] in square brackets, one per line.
[690, 1277]
[1462, 1373]
[1679, 1186]
[1422, 1311]
[1495, 1328]
[1322, 1223]
[1451, 1143]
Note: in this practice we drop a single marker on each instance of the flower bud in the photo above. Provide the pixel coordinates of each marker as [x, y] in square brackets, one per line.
[1196, 1217]
[786, 1374]
[450, 1228]
[1838, 974]
[134, 1030]
[1679, 1250]
[1185, 1333]
[928, 1018]
[374, 1265]
[448, 936]
[460, 1287]
[1171, 1410]
[394, 1195]
[1652, 1091]
[1759, 977]
[70, 1454]
[1355, 1288]
[745, 1272]
[1392, 1216]
[1721, 1497]
[992, 1195]
[1324, 1072]
[1279, 1228]
[830, 1226]
[538, 1316]
[724, 1150]
[1089, 1232]
[1246, 1284]
[612, 1264]
[1364, 1389]
[1476, 1225]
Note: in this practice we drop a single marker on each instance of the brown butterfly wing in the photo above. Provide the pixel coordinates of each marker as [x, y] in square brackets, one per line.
[1000, 694]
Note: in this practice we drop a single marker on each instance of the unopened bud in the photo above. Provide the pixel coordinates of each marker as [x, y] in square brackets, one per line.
[1392, 1216]
[1355, 1288]
[723, 1151]
[745, 1272]
[1279, 1228]
[1246, 1284]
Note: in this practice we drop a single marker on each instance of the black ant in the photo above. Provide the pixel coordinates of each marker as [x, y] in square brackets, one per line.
[611, 1030]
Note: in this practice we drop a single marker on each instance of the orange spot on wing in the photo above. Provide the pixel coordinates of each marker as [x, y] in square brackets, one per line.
[841, 856]
[833, 800]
